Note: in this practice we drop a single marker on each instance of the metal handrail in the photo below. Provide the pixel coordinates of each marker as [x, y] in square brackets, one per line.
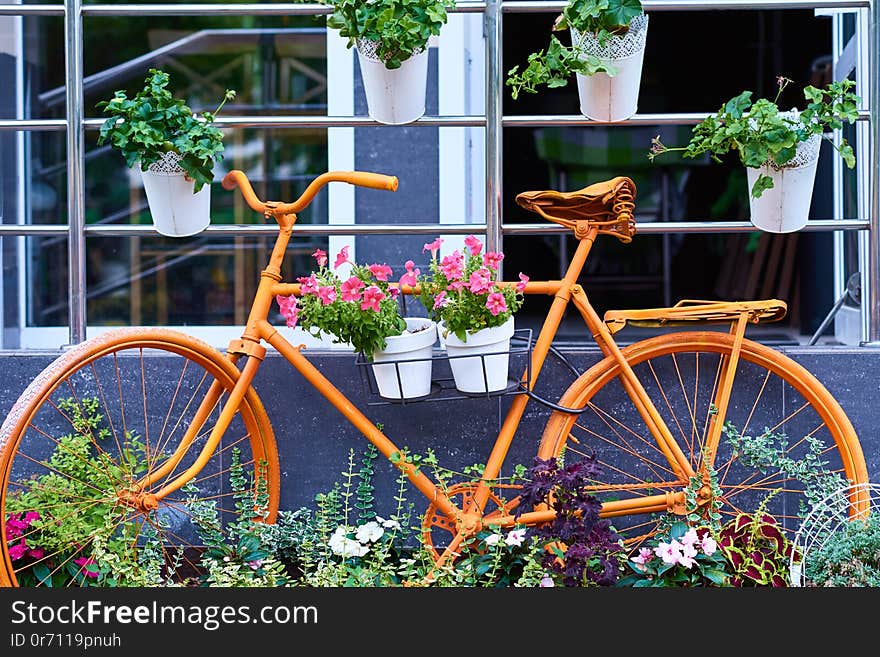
[73, 11]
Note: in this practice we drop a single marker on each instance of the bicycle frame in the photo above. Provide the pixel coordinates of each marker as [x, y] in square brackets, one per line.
[469, 519]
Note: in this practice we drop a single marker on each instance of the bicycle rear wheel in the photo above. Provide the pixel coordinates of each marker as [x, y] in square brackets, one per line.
[99, 419]
[781, 419]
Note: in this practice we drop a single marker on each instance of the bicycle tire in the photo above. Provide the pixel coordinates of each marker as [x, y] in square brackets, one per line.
[613, 432]
[99, 417]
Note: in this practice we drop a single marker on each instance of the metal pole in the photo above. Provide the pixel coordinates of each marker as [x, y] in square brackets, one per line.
[76, 239]
[873, 238]
[494, 116]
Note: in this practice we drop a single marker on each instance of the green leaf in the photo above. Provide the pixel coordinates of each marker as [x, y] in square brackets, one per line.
[763, 183]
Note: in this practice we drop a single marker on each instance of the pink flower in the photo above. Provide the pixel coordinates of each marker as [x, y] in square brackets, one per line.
[320, 256]
[492, 259]
[496, 304]
[455, 286]
[30, 516]
[669, 552]
[480, 282]
[708, 544]
[83, 563]
[690, 537]
[37, 553]
[546, 582]
[523, 279]
[351, 289]
[18, 550]
[256, 564]
[381, 272]
[341, 257]
[473, 244]
[440, 301]
[686, 558]
[308, 284]
[327, 294]
[372, 296]
[644, 556]
[433, 247]
[393, 291]
[451, 266]
[289, 309]
[410, 277]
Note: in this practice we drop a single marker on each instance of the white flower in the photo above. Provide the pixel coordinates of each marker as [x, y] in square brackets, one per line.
[515, 537]
[546, 581]
[369, 532]
[493, 539]
[388, 524]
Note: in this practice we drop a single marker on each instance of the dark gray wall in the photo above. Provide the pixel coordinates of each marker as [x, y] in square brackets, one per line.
[314, 440]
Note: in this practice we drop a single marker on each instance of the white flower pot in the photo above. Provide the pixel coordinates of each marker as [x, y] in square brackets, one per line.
[469, 373]
[785, 207]
[394, 96]
[176, 211]
[611, 98]
[415, 373]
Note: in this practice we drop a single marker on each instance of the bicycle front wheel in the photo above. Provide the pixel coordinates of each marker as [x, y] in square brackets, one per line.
[786, 439]
[103, 425]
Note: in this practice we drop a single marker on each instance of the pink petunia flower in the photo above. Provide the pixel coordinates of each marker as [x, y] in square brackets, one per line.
[83, 562]
[440, 301]
[492, 259]
[372, 296]
[480, 281]
[308, 284]
[37, 553]
[523, 279]
[690, 537]
[669, 552]
[18, 550]
[320, 256]
[341, 257]
[381, 272]
[546, 582]
[452, 266]
[455, 286]
[327, 294]
[289, 309]
[412, 272]
[394, 292]
[473, 244]
[644, 556]
[30, 516]
[708, 544]
[433, 247]
[351, 289]
[496, 304]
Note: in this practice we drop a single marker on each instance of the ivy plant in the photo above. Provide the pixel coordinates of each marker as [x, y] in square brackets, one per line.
[762, 134]
[153, 123]
[555, 65]
[401, 28]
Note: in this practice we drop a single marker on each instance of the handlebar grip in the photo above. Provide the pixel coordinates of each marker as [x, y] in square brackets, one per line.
[373, 180]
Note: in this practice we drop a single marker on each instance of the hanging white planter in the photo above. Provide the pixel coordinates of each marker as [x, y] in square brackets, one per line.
[611, 98]
[176, 211]
[785, 207]
[480, 373]
[394, 96]
[411, 377]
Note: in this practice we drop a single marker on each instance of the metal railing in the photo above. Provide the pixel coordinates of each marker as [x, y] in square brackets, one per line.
[494, 121]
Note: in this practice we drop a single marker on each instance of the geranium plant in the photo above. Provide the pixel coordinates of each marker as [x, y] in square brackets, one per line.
[153, 123]
[463, 290]
[762, 134]
[359, 309]
[556, 65]
[400, 29]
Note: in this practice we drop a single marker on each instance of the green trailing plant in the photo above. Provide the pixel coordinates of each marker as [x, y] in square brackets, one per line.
[400, 29]
[761, 134]
[153, 123]
[49, 545]
[757, 548]
[555, 65]
[850, 556]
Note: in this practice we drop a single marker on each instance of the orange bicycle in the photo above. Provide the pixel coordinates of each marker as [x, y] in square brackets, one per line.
[139, 424]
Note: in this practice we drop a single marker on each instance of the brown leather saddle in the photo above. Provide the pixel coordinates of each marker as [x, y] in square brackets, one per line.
[607, 205]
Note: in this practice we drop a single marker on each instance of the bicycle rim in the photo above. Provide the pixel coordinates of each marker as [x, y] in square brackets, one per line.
[779, 416]
[99, 419]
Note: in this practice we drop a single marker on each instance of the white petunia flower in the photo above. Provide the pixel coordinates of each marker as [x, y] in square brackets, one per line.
[515, 537]
[369, 532]
[493, 539]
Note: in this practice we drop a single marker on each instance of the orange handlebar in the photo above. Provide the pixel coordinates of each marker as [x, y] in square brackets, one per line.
[238, 179]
